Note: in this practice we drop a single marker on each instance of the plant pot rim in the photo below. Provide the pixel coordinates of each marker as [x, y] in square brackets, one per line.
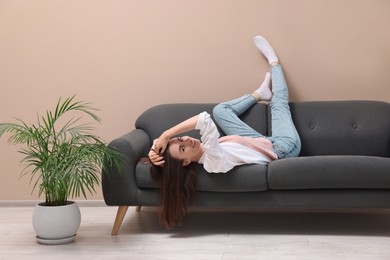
[43, 204]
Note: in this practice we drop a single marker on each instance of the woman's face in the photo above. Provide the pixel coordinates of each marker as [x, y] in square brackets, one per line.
[185, 148]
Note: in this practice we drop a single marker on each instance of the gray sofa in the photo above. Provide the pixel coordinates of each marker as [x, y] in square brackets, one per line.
[344, 161]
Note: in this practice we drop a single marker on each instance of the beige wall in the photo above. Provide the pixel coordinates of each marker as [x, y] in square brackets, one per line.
[126, 56]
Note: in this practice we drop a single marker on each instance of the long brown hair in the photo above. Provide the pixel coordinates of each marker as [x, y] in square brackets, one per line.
[177, 190]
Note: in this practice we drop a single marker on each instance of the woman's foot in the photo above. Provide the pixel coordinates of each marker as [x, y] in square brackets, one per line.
[264, 91]
[266, 49]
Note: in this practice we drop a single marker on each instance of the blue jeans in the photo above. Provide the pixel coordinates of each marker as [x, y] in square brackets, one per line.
[285, 139]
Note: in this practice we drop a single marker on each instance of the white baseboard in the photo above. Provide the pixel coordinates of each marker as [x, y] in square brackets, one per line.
[32, 203]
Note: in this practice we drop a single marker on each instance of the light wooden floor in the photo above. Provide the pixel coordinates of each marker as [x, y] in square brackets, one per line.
[207, 234]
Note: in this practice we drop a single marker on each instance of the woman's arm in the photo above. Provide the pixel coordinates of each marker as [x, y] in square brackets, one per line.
[162, 142]
[209, 137]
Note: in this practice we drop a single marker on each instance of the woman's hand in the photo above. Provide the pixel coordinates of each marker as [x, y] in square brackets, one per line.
[156, 153]
[155, 158]
[160, 144]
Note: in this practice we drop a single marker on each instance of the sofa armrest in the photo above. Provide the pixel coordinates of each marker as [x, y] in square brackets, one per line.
[120, 188]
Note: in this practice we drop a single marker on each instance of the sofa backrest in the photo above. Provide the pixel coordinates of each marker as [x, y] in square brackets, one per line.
[161, 117]
[325, 127]
[343, 127]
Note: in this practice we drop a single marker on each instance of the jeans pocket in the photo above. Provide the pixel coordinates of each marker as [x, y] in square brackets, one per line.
[279, 150]
[285, 148]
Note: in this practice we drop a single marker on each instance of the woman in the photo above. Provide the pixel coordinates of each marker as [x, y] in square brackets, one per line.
[241, 145]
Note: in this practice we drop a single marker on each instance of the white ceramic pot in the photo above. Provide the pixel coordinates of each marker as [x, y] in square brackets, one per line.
[56, 224]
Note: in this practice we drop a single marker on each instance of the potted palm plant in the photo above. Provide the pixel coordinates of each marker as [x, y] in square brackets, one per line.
[65, 160]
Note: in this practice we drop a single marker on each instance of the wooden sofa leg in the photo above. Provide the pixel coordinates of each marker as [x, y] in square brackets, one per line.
[138, 209]
[120, 215]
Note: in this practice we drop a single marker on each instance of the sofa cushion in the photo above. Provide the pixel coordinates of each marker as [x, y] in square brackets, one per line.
[330, 172]
[246, 178]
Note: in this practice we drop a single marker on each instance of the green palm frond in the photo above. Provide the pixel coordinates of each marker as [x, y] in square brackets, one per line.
[20, 133]
[65, 161]
[67, 106]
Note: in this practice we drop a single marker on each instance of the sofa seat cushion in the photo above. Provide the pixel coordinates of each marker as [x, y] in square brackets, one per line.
[245, 178]
[330, 172]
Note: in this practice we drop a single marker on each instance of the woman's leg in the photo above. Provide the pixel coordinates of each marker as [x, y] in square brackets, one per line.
[285, 138]
[227, 114]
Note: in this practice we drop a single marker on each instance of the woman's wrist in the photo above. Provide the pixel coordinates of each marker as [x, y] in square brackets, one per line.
[166, 135]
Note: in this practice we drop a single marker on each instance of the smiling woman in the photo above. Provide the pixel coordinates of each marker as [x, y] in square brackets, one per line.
[186, 149]
[242, 144]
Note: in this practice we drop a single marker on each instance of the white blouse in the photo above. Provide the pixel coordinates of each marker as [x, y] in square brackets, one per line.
[222, 154]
